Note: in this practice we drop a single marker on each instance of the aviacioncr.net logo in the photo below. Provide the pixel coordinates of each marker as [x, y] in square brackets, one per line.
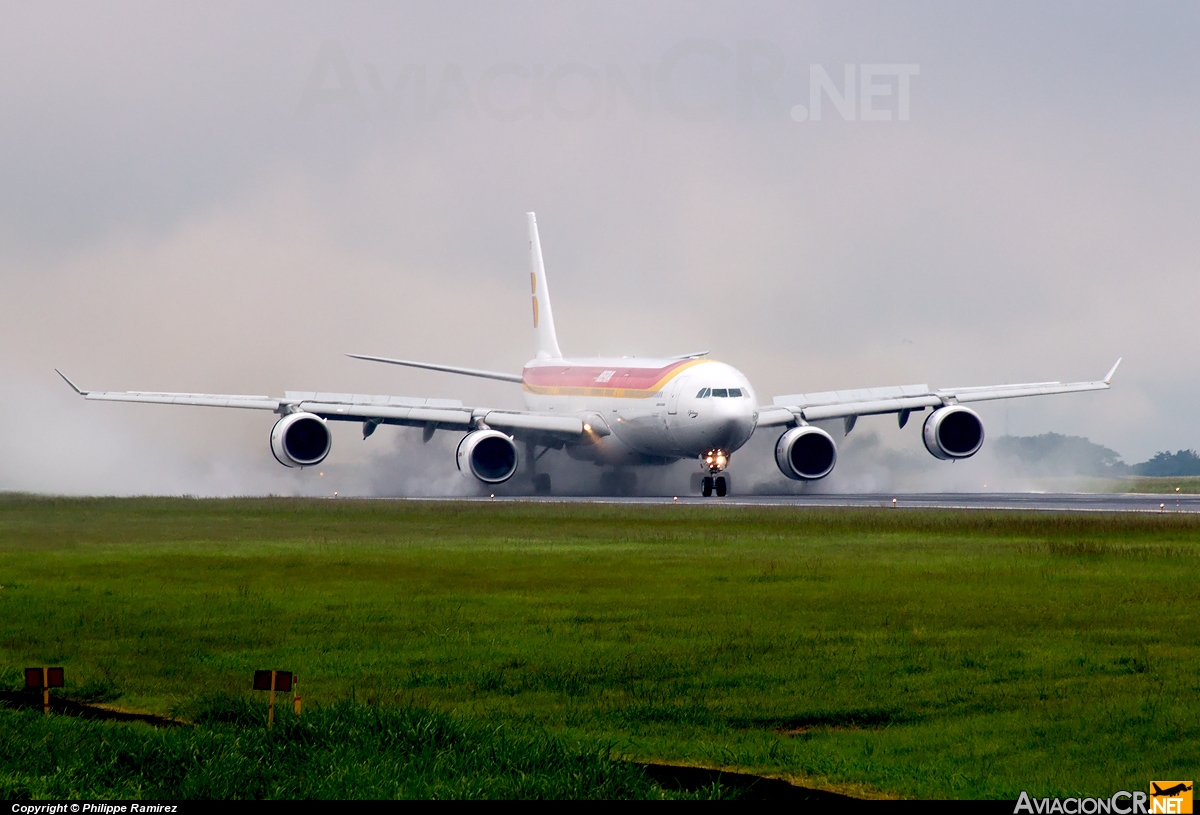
[1165, 798]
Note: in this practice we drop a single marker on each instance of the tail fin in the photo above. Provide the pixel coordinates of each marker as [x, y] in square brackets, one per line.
[543, 317]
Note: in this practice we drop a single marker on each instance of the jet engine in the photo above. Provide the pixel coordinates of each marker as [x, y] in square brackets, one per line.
[953, 432]
[806, 453]
[300, 440]
[489, 455]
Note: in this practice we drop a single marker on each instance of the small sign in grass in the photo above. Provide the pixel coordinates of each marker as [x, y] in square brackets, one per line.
[44, 679]
[273, 681]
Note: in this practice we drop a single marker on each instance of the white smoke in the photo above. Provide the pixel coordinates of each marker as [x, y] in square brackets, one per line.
[887, 460]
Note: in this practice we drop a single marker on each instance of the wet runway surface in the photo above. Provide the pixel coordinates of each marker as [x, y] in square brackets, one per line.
[1030, 501]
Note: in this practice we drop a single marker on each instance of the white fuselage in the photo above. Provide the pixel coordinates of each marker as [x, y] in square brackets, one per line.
[656, 409]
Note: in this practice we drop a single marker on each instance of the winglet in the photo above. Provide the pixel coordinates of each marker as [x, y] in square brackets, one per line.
[1108, 377]
[74, 387]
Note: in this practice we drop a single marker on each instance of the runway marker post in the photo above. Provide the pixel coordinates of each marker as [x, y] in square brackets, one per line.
[272, 681]
[44, 679]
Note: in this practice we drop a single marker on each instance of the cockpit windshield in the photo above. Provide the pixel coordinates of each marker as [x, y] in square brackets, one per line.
[719, 393]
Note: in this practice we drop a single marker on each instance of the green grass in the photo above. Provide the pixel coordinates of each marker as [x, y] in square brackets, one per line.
[1166, 485]
[1151, 485]
[928, 654]
[346, 750]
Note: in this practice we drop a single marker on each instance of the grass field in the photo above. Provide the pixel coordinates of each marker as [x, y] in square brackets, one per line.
[344, 750]
[1159, 486]
[1144, 485]
[881, 652]
[1186, 485]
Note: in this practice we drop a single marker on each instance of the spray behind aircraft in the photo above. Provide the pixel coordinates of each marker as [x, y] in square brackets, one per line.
[617, 413]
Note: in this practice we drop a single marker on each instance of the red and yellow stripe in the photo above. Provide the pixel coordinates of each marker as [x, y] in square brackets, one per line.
[615, 382]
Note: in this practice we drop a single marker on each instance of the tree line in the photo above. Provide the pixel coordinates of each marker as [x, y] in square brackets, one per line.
[1056, 454]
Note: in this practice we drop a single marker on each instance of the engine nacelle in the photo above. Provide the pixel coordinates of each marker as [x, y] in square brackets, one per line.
[489, 455]
[953, 432]
[300, 440]
[805, 453]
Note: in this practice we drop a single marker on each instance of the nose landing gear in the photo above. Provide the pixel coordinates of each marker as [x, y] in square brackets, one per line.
[716, 480]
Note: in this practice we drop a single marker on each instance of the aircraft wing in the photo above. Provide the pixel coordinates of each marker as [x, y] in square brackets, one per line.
[446, 414]
[905, 398]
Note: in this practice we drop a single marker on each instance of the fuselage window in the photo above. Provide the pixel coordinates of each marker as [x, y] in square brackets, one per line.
[734, 393]
[703, 394]
[719, 392]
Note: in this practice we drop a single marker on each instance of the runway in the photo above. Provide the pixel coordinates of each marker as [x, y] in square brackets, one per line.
[1019, 501]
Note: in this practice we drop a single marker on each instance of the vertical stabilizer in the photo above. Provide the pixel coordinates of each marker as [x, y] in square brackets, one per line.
[543, 317]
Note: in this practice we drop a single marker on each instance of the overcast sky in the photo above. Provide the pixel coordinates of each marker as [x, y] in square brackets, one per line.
[227, 196]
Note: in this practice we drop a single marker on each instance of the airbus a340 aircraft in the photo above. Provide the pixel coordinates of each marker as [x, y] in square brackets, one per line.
[616, 412]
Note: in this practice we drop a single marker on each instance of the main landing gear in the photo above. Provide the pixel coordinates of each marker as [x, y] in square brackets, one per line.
[541, 481]
[620, 481]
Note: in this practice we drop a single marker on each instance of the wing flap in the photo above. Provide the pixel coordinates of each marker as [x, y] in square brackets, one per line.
[363, 407]
[340, 411]
[368, 399]
[868, 401]
[195, 399]
[869, 408]
[569, 425]
[851, 396]
[1015, 391]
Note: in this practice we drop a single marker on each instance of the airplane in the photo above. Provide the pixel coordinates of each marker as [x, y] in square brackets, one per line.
[616, 412]
[1170, 792]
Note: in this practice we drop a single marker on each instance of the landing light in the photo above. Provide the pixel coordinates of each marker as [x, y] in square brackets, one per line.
[716, 459]
[587, 428]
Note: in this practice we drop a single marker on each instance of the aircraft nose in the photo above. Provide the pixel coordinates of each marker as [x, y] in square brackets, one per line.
[736, 424]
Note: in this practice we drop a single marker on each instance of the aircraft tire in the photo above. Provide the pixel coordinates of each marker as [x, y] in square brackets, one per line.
[706, 486]
[541, 484]
[721, 486]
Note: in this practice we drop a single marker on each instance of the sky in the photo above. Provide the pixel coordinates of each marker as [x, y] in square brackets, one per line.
[227, 197]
